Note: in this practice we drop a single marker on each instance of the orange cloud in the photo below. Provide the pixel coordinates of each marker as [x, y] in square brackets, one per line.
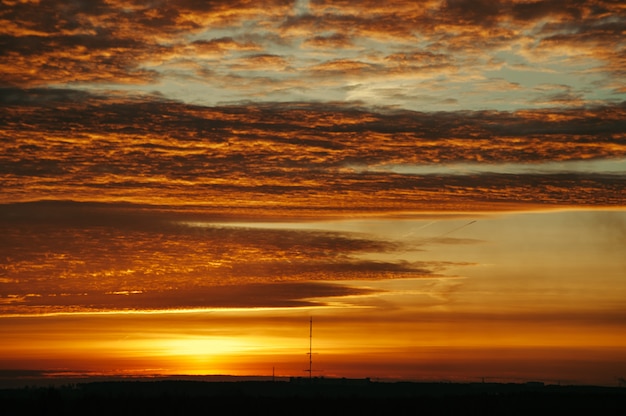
[336, 40]
[444, 45]
[261, 62]
[301, 157]
[61, 257]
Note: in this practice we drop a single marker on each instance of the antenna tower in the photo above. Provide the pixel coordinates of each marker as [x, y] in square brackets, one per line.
[310, 370]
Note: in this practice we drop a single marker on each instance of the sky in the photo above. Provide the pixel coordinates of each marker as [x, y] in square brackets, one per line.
[439, 185]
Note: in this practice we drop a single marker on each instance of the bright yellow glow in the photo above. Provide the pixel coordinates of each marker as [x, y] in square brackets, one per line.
[195, 355]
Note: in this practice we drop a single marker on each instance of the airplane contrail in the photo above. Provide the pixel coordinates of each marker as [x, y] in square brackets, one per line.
[448, 232]
[457, 229]
[415, 230]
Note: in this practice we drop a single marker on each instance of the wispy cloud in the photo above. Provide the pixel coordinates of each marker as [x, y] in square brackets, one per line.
[411, 46]
[68, 256]
[255, 295]
[302, 158]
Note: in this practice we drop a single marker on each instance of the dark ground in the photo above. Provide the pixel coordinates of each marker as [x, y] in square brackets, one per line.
[319, 397]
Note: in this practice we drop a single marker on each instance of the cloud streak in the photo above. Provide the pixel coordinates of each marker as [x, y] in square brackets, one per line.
[272, 47]
[302, 158]
[60, 257]
[275, 295]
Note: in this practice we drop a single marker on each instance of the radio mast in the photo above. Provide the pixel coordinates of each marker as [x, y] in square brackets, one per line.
[310, 370]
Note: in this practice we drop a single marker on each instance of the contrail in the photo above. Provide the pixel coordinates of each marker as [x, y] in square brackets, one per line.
[458, 228]
[426, 240]
[415, 230]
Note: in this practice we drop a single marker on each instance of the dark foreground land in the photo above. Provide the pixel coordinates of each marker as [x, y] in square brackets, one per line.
[302, 397]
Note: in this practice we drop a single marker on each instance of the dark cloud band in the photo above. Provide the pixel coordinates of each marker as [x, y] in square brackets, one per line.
[301, 159]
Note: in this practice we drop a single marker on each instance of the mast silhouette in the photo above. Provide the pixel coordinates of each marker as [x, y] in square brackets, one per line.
[310, 370]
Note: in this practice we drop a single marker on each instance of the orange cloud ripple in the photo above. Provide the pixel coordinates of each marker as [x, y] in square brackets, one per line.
[69, 145]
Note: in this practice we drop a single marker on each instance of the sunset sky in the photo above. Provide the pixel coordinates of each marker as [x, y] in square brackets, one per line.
[440, 185]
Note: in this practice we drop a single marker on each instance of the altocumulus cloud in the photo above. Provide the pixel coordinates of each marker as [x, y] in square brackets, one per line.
[98, 257]
[303, 159]
[442, 52]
